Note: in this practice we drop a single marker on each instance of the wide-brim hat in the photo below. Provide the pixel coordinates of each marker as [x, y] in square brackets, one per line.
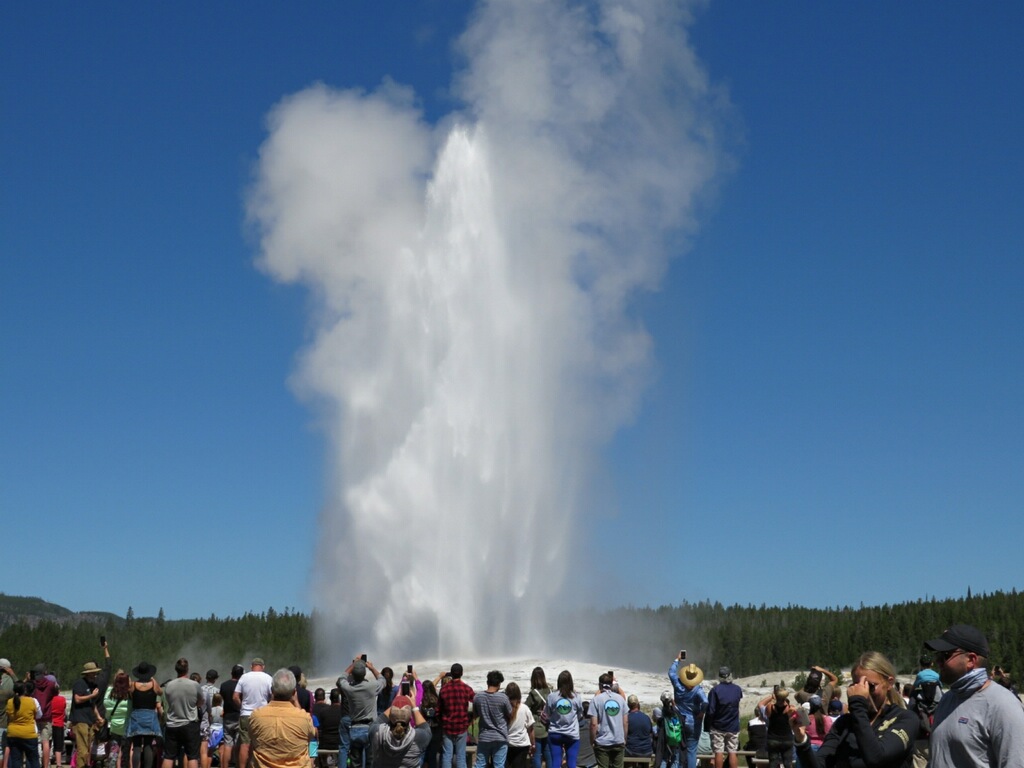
[91, 668]
[691, 676]
[144, 672]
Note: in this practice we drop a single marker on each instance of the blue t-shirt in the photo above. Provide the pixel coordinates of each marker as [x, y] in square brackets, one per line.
[640, 738]
[724, 708]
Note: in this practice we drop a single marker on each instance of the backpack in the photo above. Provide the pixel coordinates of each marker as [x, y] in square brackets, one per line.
[538, 706]
[925, 699]
[673, 731]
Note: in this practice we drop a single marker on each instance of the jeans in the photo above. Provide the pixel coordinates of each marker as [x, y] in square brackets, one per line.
[560, 743]
[344, 729]
[497, 751]
[543, 751]
[359, 743]
[671, 757]
[23, 749]
[456, 745]
[691, 750]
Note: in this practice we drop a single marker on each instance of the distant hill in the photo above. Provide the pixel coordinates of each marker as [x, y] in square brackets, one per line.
[32, 610]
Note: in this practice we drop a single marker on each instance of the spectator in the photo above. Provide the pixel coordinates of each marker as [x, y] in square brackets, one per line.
[536, 700]
[976, 723]
[691, 704]
[669, 741]
[144, 729]
[58, 710]
[757, 736]
[926, 674]
[301, 692]
[280, 731]
[399, 737]
[6, 692]
[232, 711]
[253, 690]
[813, 686]
[777, 714]
[44, 689]
[818, 723]
[328, 715]
[608, 724]
[724, 718]
[494, 711]
[453, 702]
[210, 689]
[564, 710]
[521, 741]
[116, 703]
[85, 715]
[639, 730]
[429, 708]
[22, 711]
[361, 693]
[182, 735]
[878, 731]
[387, 690]
[585, 757]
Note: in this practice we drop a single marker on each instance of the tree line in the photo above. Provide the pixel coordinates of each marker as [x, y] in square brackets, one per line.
[750, 639]
[753, 639]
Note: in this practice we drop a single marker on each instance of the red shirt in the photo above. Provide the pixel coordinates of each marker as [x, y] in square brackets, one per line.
[453, 703]
[58, 708]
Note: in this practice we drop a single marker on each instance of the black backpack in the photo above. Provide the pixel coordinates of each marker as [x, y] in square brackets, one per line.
[925, 699]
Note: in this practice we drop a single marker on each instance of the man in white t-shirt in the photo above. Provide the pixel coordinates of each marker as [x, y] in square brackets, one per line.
[254, 690]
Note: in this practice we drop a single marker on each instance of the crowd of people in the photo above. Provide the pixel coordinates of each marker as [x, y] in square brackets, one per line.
[955, 715]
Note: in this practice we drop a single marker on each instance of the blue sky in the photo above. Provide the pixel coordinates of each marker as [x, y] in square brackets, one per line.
[838, 363]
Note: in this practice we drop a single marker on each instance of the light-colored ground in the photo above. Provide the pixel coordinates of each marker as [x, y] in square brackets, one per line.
[648, 686]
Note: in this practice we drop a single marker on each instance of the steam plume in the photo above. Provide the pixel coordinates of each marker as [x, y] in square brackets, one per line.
[472, 345]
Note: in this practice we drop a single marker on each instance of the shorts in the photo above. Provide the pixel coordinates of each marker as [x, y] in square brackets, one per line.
[230, 735]
[58, 739]
[722, 741]
[184, 738]
[45, 728]
[243, 729]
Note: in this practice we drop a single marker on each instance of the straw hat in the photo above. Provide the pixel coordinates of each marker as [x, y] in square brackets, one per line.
[691, 676]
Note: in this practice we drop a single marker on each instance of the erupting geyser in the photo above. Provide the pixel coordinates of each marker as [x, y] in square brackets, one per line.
[473, 349]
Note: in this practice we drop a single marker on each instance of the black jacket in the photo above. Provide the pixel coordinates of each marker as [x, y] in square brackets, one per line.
[854, 742]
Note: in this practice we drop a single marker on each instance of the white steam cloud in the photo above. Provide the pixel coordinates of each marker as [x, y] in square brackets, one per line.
[473, 349]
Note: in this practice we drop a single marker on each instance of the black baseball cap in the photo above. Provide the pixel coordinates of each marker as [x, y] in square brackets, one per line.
[962, 636]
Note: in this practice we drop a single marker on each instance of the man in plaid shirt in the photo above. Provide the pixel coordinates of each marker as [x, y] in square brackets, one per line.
[453, 705]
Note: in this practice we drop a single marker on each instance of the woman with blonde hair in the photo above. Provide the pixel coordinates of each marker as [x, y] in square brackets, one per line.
[877, 732]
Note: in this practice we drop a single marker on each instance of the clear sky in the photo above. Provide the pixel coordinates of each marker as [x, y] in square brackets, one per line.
[834, 412]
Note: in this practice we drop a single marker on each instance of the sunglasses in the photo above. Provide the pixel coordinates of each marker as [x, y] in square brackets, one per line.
[943, 656]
